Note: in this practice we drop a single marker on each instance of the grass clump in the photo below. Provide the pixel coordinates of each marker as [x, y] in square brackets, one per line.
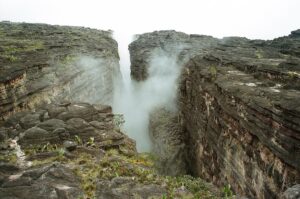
[213, 72]
[195, 187]
[88, 171]
[259, 54]
[9, 157]
[11, 48]
[90, 168]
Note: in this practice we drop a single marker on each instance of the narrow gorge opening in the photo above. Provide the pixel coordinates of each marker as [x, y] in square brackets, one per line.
[127, 99]
[137, 99]
[220, 109]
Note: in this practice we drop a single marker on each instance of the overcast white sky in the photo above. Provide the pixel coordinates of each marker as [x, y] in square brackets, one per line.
[264, 19]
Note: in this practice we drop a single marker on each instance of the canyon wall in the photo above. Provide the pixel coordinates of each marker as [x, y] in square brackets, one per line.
[238, 108]
[42, 63]
[61, 148]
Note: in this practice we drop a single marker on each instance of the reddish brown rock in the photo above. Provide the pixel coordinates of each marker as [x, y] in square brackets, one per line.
[239, 107]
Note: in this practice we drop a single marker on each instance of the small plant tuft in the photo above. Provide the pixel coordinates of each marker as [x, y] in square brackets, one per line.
[78, 140]
[227, 191]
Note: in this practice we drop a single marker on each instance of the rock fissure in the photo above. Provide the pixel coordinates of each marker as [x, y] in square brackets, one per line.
[237, 108]
[226, 110]
[57, 138]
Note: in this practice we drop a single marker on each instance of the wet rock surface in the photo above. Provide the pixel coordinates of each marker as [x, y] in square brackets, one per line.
[83, 154]
[168, 142]
[238, 103]
[41, 63]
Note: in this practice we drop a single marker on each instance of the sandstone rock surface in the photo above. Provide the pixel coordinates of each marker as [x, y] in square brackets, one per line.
[239, 107]
[40, 63]
[81, 155]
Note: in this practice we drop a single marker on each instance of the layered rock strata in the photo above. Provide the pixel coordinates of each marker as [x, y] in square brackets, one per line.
[41, 63]
[239, 107]
[76, 150]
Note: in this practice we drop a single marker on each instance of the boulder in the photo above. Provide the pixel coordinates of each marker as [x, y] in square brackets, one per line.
[70, 145]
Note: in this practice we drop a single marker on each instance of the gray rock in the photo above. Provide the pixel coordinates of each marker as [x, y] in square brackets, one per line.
[54, 110]
[55, 63]
[99, 125]
[81, 128]
[3, 134]
[30, 120]
[63, 133]
[70, 145]
[292, 192]
[168, 142]
[239, 108]
[52, 124]
[36, 135]
[127, 188]
[48, 181]
[78, 110]
[8, 168]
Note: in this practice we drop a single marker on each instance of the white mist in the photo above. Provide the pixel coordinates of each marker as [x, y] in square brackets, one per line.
[136, 100]
[125, 99]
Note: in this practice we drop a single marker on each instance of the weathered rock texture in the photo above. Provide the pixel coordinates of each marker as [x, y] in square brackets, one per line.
[239, 107]
[165, 129]
[41, 63]
[39, 167]
[76, 150]
[168, 142]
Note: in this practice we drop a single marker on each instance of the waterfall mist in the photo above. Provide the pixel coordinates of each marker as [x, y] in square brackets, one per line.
[135, 100]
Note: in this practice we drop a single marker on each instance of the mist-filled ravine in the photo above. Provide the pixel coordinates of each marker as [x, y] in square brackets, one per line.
[88, 113]
[137, 99]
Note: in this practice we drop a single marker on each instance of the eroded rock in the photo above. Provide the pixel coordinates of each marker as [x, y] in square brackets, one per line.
[95, 160]
[50, 181]
[238, 107]
[42, 63]
[292, 192]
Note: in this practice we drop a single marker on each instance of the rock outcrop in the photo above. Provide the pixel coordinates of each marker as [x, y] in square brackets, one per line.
[42, 63]
[239, 107]
[76, 150]
[57, 139]
[165, 129]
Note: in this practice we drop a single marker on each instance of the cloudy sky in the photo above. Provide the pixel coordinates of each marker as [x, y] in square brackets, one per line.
[264, 19]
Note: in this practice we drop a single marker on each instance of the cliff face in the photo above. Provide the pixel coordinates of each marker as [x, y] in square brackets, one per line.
[170, 42]
[42, 63]
[239, 106]
[68, 149]
[164, 128]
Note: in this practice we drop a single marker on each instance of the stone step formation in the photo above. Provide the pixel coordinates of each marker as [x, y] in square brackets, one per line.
[75, 150]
